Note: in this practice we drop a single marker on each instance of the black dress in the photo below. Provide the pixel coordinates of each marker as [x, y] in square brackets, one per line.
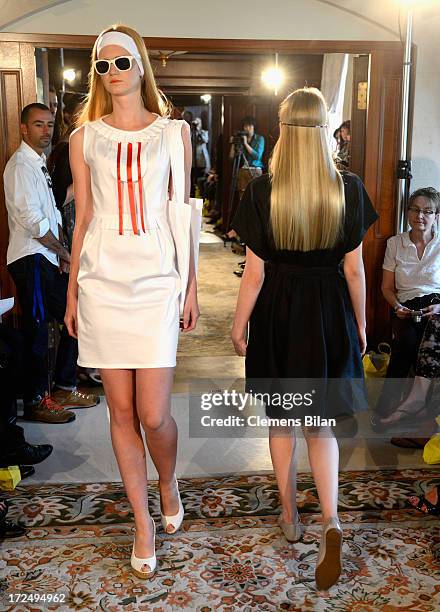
[303, 324]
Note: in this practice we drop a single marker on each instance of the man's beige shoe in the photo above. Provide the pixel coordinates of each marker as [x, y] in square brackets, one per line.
[47, 411]
[75, 399]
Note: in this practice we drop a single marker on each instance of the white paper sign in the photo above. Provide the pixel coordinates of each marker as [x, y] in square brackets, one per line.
[6, 305]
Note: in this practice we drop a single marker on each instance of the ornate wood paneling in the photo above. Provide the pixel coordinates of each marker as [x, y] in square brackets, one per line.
[381, 157]
[17, 88]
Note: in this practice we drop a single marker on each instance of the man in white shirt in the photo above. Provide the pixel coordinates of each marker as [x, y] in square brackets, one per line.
[38, 261]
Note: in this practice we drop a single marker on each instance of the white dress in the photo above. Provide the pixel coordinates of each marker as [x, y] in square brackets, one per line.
[129, 284]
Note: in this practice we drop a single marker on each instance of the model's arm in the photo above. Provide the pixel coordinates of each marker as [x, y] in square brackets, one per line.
[83, 216]
[354, 273]
[250, 287]
[191, 310]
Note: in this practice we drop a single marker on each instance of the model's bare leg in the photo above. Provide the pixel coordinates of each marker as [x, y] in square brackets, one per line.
[120, 392]
[282, 444]
[153, 393]
[324, 461]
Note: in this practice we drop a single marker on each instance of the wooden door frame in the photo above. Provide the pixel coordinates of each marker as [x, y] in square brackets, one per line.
[382, 136]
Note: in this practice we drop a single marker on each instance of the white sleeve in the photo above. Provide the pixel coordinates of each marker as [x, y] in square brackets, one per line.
[58, 216]
[26, 204]
[389, 262]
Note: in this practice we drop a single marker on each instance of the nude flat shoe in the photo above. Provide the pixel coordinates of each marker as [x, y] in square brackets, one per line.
[329, 562]
[292, 531]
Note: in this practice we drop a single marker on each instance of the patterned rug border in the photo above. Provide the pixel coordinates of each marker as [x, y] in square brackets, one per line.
[230, 554]
[424, 473]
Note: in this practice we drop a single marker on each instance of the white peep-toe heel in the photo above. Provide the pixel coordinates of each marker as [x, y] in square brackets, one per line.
[175, 520]
[139, 566]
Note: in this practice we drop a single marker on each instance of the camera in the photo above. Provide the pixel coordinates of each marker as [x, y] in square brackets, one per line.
[237, 140]
[237, 137]
[417, 315]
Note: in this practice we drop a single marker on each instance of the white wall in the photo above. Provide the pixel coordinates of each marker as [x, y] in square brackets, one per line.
[426, 124]
[276, 19]
[282, 19]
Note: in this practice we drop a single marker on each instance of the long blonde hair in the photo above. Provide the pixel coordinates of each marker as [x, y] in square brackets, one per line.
[99, 101]
[307, 197]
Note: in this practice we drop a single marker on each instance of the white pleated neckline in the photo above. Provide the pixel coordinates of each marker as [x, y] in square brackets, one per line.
[113, 133]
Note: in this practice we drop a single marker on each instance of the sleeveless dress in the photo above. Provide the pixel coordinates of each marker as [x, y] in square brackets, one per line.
[303, 327]
[128, 282]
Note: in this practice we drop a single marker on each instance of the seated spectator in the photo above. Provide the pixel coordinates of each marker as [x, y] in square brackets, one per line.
[414, 407]
[411, 282]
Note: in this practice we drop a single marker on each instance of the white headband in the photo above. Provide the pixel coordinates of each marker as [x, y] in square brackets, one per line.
[122, 40]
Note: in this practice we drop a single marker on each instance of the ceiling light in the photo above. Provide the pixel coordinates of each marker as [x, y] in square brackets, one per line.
[69, 75]
[273, 77]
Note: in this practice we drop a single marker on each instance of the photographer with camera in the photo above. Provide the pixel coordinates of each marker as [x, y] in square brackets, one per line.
[247, 148]
[251, 145]
[411, 285]
[201, 163]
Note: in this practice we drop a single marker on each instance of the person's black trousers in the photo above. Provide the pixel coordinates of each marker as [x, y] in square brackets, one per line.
[407, 336]
[196, 173]
[42, 292]
[11, 371]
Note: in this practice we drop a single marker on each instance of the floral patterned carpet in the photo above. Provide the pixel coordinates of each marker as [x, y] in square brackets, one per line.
[230, 554]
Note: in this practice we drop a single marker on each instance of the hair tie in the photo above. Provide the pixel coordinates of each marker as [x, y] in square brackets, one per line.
[306, 126]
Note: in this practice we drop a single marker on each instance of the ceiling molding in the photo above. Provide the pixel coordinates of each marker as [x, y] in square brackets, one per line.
[361, 16]
[14, 11]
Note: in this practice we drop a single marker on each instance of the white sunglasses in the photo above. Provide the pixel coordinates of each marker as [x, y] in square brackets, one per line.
[121, 63]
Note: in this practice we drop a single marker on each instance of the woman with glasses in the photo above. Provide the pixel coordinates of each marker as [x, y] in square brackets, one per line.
[133, 267]
[410, 283]
[303, 294]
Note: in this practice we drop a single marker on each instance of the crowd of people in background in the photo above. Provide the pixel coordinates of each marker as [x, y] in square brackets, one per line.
[342, 152]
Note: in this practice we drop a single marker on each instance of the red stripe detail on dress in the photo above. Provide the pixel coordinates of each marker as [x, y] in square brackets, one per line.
[141, 197]
[131, 188]
[118, 172]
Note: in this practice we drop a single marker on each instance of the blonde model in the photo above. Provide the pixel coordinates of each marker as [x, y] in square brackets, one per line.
[301, 223]
[133, 268]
